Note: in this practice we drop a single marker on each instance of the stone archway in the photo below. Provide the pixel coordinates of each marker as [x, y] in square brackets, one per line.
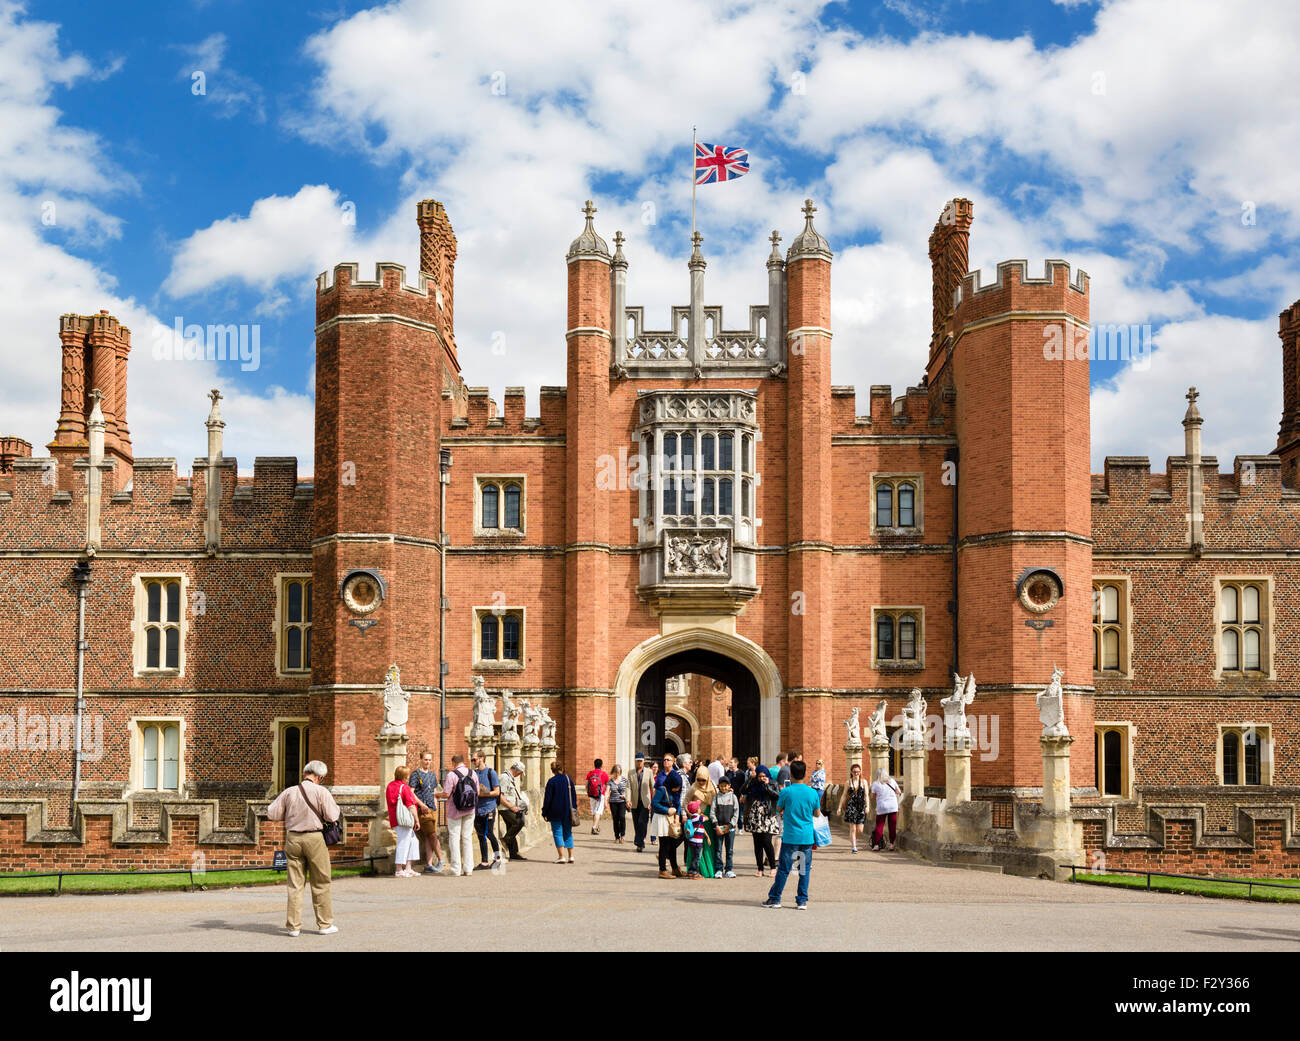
[700, 647]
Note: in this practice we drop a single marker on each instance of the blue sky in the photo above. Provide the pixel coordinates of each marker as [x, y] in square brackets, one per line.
[1129, 137]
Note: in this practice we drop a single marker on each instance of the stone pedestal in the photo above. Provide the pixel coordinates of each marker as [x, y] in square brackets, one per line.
[546, 756]
[532, 756]
[484, 745]
[914, 779]
[1056, 790]
[852, 754]
[878, 759]
[507, 753]
[382, 841]
[956, 762]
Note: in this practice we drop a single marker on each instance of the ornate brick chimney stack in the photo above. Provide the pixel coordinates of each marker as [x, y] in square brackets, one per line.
[949, 260]
[1288, 436]
[95, 351]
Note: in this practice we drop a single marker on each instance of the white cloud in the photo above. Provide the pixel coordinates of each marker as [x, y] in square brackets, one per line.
[226, 91]
[42, 159]
[281, 238]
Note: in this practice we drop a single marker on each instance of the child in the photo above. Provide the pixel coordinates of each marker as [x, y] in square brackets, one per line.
[694, 827]
[726, 813]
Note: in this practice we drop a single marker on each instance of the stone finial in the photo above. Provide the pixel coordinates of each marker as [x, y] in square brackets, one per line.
[1193, 416]
[775, 258]
[96, 413]
[589, 243]
[214, 414]
[809, 243]
[619, 259]
[697, 258]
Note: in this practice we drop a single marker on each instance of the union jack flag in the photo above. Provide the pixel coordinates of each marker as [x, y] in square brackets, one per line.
[717, 163]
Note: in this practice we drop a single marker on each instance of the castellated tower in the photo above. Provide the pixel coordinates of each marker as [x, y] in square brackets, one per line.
[1015, 354]
[588, 720]
[384, 354]
[808, 510]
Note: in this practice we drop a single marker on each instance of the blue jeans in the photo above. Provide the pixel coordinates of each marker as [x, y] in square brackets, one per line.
[724, 843]
[562, 831]
[786, 863]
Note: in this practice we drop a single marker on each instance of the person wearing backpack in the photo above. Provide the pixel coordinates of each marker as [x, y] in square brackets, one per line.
[597, 783]
[485, 813]
[461, 787]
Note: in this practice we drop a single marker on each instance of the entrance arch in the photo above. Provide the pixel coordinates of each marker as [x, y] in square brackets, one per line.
[708, 652]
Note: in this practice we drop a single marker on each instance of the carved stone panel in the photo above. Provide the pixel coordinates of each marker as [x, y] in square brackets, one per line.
[700, 555]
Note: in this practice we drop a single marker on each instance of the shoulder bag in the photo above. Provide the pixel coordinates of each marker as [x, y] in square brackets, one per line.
[331, 830]
[405, 818]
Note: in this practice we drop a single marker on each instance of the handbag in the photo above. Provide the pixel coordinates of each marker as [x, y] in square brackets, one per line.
[405, 818]
[675, 826]
[573, 808]
[331, 830]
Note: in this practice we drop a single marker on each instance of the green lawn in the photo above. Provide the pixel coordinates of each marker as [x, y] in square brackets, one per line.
[145, 880]
[1200, 887]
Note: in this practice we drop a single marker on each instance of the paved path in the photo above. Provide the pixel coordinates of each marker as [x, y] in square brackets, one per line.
[612, 898]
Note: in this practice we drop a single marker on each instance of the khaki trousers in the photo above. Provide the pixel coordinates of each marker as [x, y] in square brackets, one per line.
[308, 848]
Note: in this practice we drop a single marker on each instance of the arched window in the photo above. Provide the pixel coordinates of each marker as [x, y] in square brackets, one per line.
[163, 624]
[745, 508]
[1109, 642]
[1231, 645]
[1112, 780]
[489, 628]
[725, 459]
[670, 451]
[1110, 649]
[747, 454]
[707, 504]
[1242, 618]
[160, 757]
[670, 497]
[724, 497]
[688, 451]
[707, 457]
[907, 638]
[885, 637]
[491, 506]
[510, 638]
[512, 506]
[906, 502]
[688, 495]
[296, 625]
[1231, 758]
[885, 505]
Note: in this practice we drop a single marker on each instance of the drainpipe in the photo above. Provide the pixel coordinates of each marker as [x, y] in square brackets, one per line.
[444, 479]
[81, 576]
[952, 456]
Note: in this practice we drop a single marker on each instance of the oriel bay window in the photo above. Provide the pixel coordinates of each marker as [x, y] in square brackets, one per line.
[698, 475]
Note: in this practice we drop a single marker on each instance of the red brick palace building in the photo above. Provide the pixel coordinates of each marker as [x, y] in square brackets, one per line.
[699, 500]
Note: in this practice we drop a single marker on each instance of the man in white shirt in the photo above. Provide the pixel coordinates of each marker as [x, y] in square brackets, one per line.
[716, 771]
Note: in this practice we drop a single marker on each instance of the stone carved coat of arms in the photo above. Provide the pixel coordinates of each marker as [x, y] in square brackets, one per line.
[692, 556]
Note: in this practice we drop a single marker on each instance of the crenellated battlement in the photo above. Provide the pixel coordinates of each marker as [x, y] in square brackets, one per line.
[909, 414]
[1248, 507]
[1013, 273]
[271, 511]
[483, 417]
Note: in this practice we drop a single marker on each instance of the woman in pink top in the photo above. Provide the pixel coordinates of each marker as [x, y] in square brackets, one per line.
[408, 846]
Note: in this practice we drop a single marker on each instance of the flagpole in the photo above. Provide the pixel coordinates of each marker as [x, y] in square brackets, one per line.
[693, 150]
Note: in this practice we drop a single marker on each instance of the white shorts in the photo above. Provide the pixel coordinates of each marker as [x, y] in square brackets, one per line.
[597, 806]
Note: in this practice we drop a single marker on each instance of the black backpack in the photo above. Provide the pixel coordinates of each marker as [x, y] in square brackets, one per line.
[465, 795]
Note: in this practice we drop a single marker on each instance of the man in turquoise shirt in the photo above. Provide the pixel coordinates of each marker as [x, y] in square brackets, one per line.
[797, 805]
